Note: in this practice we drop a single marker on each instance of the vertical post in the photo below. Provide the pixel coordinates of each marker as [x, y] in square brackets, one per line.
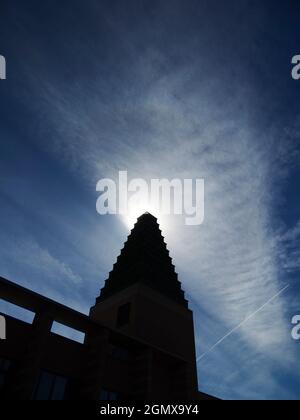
[142, 375]
[94, 369]
[26, 374]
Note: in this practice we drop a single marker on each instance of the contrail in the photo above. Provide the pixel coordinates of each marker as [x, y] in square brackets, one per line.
[242, 323]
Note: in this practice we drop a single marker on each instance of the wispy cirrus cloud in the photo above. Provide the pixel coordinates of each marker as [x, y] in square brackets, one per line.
[39, 261]
[231, 261]
[290, 249]
[175, 112]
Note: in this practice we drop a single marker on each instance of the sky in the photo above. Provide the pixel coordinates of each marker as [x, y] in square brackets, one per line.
[161, 88]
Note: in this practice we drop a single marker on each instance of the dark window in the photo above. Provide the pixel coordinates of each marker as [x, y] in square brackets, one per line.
[120, 353]
[108, 395]
[123, 317]
[50, 387]
[4, 367]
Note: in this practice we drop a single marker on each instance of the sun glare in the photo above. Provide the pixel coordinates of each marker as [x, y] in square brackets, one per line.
[135, 211]
[165, 222]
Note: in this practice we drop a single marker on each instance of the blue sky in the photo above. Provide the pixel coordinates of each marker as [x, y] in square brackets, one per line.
[185, 89]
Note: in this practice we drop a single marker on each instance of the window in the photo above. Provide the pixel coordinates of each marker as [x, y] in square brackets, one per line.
[4, 367]
[50, 387]
[123, 317]
[67, 332]
[16, 312]
[120, 353]
[108, 395]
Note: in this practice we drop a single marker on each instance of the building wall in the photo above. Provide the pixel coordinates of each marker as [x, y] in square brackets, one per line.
[154, 319]
[109, 362]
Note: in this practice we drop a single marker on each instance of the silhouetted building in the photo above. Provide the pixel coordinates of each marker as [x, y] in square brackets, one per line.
[139, 337]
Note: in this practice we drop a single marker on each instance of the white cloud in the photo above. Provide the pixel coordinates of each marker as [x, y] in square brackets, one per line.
[291, 234]
[230, 262]
[183, 122]
[41, 264]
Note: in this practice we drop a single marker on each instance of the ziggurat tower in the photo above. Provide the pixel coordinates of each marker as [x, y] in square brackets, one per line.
[143, 298]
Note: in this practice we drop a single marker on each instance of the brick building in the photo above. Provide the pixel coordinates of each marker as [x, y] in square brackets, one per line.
[138, 339]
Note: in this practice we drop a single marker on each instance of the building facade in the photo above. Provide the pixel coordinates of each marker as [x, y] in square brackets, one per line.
[138, 339]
